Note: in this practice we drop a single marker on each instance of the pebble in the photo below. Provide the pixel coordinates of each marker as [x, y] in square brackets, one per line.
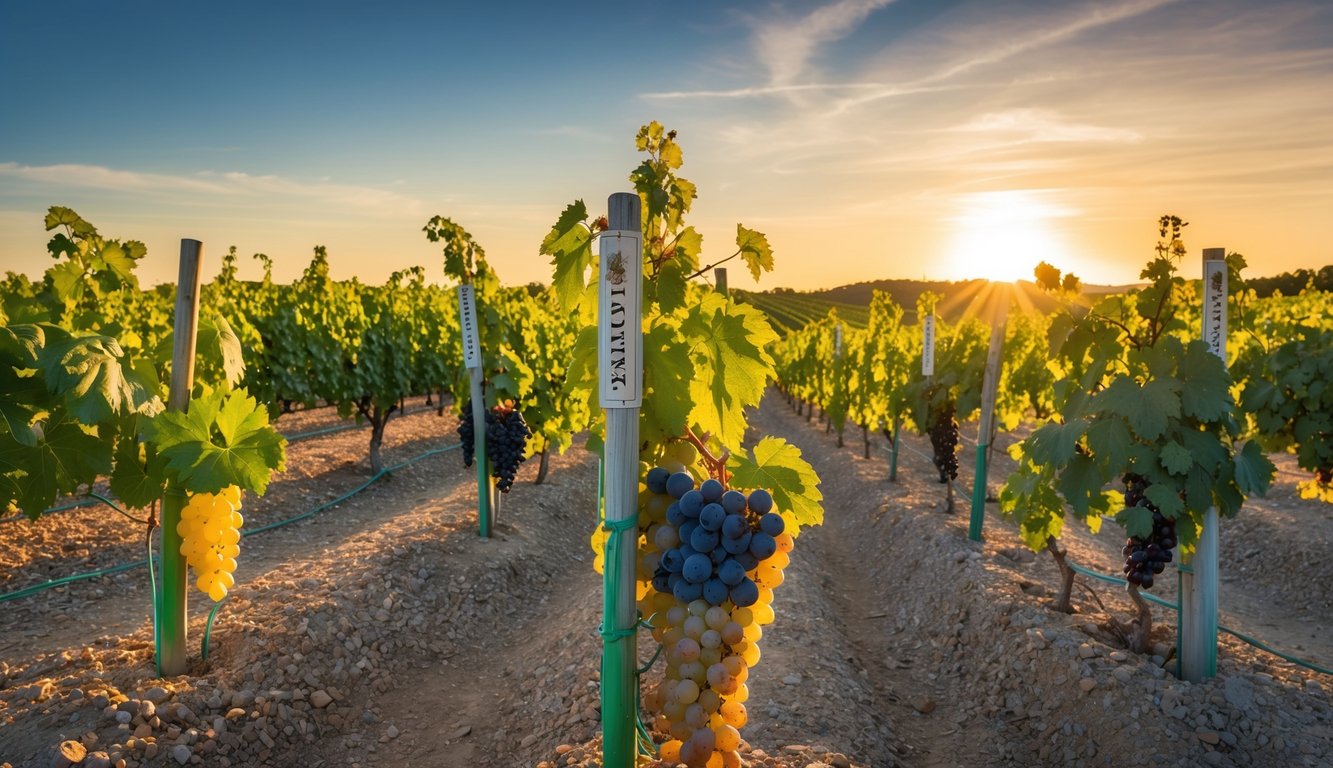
[791, 680]
[320, 699]
[97, 760]
[923, 704]
[181, 754]
[157, 694]
[69, 753]
[1208, 737]
[460, 732]
[392, 732]
[1087, 684]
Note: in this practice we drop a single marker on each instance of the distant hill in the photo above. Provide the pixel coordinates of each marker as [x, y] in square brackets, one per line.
[790, 310]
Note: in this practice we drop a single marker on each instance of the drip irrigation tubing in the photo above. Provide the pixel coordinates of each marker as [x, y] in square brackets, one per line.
[110, 570]
[1173, 606]
[293, 438]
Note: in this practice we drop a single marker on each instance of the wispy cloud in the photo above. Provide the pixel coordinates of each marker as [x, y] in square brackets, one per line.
[1085, 21]
[786, 46]
[231, 185]
[1039, 125]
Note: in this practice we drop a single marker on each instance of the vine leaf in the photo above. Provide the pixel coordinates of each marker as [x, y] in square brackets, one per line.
[776, 466]
[1176, 459]
[667, 377]
[65, 455]
[731, 365]
[754, 250]
[89, 371]
[569, 244]
[1137, 521]
[1254, 471]
[224, 439]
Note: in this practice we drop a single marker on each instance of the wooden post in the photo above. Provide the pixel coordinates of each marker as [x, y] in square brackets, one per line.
[1197, 636]
[620, 370]
[467, 318]
[985, 428]
[173, 618]
[720, 280]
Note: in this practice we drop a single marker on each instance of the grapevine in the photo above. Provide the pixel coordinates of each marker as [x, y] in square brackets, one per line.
[705, 361]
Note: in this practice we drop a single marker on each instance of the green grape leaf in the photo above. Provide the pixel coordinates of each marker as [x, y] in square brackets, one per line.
[67, 280]
[1054, 443]
[1166, 498]
[754, 250]
[58, 215]
[224, 439]
[1175, 459]
[217, 342]
[139, 477]
[1147, 408]
[667, 376]
[670, 286]
[23, 342]
[688, 244]
[66, 455]
[1205, 385]
[20, 397]
[1081, 485]
[87, 371]
[776, 466]
[1254, 471]
[1137, 521]
[569, 244]
[1111, 440]
[728, 346]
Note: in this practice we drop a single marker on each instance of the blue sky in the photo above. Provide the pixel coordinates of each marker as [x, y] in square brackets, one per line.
[867, 138]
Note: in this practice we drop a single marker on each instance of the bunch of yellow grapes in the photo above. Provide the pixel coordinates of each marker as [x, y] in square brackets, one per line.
[210, 530]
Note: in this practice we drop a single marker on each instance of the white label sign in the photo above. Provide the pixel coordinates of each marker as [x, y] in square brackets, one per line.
[928, 346]
[620, 319]
[1215, 301]
[467, 319]
[837, 340]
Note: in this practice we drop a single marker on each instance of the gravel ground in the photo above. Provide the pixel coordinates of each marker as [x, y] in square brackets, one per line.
[384, 632]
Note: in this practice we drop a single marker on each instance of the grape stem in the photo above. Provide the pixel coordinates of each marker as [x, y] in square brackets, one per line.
[716, 465]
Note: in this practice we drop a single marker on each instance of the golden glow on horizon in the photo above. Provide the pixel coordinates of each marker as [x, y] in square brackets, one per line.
[1002, 236]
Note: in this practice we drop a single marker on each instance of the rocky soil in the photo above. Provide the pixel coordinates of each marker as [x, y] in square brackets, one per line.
[385, 632]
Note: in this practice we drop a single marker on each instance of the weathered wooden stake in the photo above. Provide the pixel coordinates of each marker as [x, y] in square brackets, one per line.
[173, 620]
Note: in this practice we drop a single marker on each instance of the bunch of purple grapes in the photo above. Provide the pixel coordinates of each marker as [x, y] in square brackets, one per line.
[944, 442]
[1147, 557]
[506, 442]
[713, 539]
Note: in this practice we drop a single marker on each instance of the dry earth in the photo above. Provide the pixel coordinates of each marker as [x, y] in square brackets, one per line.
[384, 632]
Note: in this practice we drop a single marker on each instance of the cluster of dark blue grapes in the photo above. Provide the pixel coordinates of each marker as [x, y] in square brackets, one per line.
[1145, 558]
[944, 442]
[713, 539]
[506, 442]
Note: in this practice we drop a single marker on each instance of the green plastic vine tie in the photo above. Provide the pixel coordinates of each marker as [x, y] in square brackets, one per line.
[208, 627]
